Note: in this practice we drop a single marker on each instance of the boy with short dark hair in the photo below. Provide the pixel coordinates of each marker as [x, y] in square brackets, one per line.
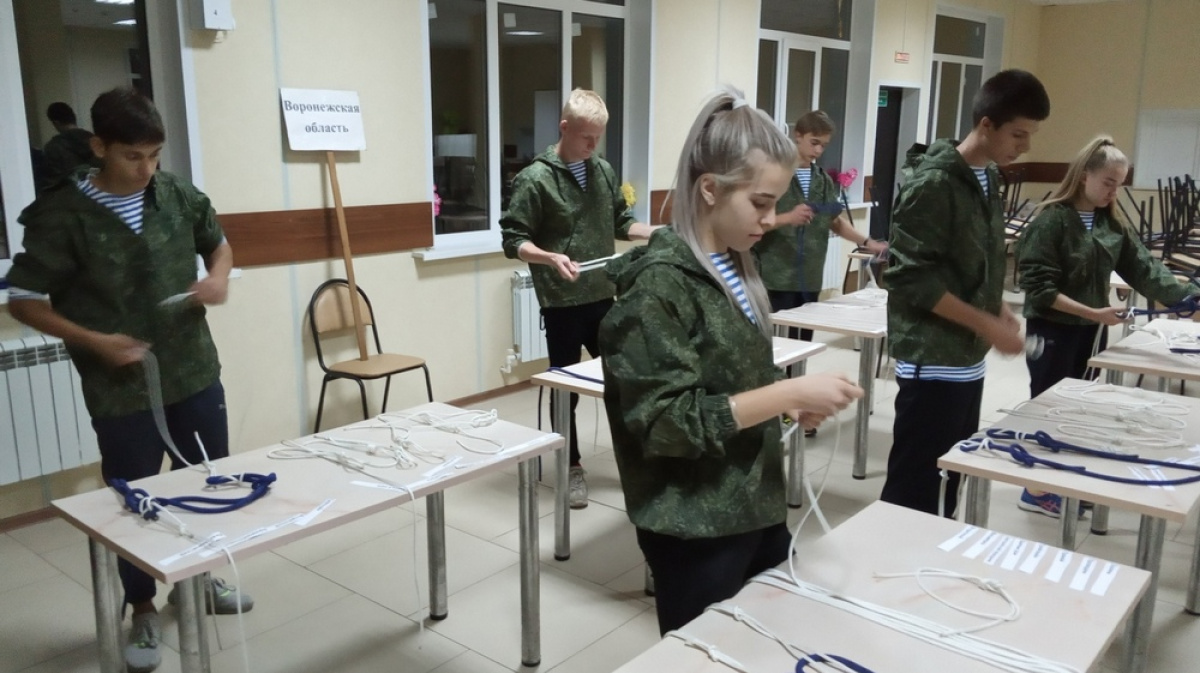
[566, 208]
[69, 149]
[945, 304]
[104, 250]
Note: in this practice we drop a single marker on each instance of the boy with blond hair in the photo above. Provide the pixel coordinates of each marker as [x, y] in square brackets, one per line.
[567, 208]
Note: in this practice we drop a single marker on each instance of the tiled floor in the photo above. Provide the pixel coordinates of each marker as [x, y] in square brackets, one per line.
[347, 601]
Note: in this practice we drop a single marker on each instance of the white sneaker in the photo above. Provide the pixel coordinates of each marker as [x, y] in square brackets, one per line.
[142, 654]
[577, 490]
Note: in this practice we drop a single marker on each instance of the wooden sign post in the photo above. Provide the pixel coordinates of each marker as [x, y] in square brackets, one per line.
[330, 121]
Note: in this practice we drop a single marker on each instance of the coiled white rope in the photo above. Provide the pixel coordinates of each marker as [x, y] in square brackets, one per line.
[1003, 657]
[988, 585]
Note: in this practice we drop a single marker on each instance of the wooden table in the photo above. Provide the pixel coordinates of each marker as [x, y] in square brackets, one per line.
[587, 379]
[303, 486]
[886, 538]
[858, 314]
[1156, 506]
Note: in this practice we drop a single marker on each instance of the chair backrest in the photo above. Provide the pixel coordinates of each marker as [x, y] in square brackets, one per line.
[330, 311]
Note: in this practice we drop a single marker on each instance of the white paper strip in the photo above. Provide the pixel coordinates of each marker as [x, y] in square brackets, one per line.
[1083, 574]
[984, 542]
[1106, 578]
[1058, 566]
[962, 536]
[1035, 557]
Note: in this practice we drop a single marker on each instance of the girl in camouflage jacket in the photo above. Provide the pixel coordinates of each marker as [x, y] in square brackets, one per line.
[691, 392]
[1066, 256]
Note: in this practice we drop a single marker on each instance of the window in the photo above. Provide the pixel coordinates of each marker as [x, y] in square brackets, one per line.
[71, 52]
[804, 64]
[956, 75]
[499, 73]
[818, 18]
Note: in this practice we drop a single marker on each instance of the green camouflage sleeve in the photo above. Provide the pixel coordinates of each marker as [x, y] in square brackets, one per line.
[1038, 259]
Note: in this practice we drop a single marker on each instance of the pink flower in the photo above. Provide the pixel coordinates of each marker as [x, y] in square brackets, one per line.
[437, 202]
[844, 179]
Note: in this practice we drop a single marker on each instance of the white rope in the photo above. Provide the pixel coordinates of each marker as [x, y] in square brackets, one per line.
[714, 655]
[467, 421]
[741, 616]
[988, 585]
[1003, 657]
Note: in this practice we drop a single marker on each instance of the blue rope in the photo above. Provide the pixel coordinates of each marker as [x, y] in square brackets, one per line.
[1022, 455]
[565, 372]
[1184, 309]
[804, 662]
[259, 485]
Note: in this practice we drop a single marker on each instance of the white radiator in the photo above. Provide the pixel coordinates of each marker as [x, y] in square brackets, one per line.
[44, 426]
[529, 336]
[834, 267]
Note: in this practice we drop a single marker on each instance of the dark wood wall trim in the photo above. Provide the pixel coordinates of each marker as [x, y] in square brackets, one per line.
[284, 236]
[657, 198]
[1045, 171]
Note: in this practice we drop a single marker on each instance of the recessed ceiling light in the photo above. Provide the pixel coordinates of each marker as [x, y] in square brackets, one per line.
[125, 22]
[115, 2]
[524, 33]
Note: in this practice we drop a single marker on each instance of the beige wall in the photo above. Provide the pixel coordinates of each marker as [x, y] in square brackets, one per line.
[45, 64]
[698, 45]
[1149, 60]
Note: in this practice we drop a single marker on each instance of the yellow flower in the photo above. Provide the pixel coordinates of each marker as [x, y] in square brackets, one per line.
[629, 194]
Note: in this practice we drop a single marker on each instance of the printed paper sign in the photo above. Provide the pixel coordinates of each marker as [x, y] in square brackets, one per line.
[322, 120]
[962, 537]
[1083, 574]
[1105, 579]
[1031, 563]
[1014, 555]
[984, 542]
[1059, 565]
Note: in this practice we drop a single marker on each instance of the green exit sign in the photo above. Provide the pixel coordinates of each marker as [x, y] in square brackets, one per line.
[883, 97]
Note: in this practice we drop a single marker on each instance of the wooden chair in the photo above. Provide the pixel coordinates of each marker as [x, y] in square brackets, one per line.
[330, 311]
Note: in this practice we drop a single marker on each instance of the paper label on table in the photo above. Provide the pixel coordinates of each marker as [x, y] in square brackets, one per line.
[1106, 578]
[257, 532]
[984, 542]
[1035, 557]
[1058, 566]
[192, 549]
[1014, 554]
[308, 518]
[998, 552]
[1083, 574]
[1158, 474]
[962, 536]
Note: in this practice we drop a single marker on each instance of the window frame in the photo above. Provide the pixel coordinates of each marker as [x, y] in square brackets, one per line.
[993, 47]
[463, 244]
[16, 170]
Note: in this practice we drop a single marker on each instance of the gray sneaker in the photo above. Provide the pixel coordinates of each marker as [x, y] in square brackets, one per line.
[142, 654]
[578, 493]
[219, 597]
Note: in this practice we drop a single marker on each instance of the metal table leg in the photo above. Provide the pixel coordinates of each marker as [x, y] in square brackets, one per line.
[979, 500]
[796, 444]
[1149, 557]
[1068, 520]
[435, 531]
[562, 506]
[864, 271]
[531, 607]
[1193, 595]
[1100, 520]
[866, 381]
[193, 649]
[106, 589]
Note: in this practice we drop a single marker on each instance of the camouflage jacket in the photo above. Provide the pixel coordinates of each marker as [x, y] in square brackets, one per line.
[1058, 255]
[947, 236]
[675, 349]
[792, 258]
[549, 208]
[102, 276]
